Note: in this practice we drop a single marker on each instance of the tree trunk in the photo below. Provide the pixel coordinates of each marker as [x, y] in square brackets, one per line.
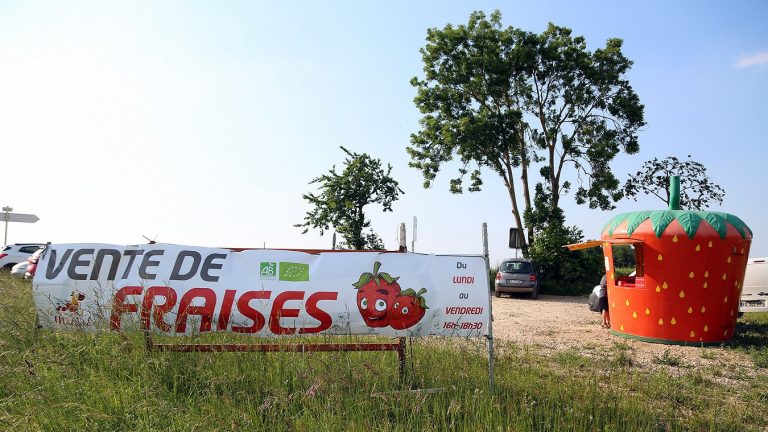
[516, 213]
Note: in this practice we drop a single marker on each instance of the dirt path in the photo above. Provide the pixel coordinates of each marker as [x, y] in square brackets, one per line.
[555, 323]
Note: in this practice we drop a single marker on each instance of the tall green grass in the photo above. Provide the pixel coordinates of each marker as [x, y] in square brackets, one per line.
[64, 381]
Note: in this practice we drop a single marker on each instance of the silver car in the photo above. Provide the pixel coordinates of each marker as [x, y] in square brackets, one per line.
[517, 275]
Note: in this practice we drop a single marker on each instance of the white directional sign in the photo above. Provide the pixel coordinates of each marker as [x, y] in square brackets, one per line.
[19, 217]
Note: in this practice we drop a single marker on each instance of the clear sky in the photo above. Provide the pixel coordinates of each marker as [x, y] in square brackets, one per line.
[202, 123]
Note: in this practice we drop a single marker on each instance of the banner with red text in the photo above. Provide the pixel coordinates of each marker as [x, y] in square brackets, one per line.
[182, 290]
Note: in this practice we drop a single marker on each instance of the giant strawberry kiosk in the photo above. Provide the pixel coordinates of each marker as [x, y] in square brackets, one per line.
[689, 271]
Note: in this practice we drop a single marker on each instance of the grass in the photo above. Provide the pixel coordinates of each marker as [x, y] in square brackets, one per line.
[53, 380]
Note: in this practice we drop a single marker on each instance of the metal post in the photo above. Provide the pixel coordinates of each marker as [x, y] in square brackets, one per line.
[401, 359]
[7, 210]
[489, 336]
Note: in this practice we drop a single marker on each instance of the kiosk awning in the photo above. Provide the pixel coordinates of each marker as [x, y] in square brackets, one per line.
[595, 243]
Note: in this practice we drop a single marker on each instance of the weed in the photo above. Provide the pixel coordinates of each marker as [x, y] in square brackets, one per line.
[56, 380]
[668, 359]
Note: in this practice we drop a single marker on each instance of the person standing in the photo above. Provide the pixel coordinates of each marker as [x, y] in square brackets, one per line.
[603, 301]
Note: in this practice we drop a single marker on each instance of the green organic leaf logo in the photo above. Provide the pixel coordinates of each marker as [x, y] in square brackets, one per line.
[294, 272]
[268, 270]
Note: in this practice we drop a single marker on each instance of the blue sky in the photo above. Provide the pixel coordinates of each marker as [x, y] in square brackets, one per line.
[203, 122]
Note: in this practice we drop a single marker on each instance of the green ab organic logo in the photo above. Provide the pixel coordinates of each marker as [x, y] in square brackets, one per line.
[288, 271]
[268, 270]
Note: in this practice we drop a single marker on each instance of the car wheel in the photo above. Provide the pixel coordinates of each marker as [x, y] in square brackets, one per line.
[497, 293]
[535, 293]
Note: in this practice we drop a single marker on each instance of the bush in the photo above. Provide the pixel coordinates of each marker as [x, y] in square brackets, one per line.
[562, 271]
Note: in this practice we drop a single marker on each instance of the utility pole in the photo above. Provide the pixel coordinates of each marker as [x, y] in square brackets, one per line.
[7, 217]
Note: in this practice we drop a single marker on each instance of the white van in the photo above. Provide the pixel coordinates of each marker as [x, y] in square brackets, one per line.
[754, 293]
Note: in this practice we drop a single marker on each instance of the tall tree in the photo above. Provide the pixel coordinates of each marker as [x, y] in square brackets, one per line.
[697, 190]
[508, 100]
[342, 198]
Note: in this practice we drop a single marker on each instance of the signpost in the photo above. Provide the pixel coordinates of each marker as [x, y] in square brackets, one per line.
[16, 217]
[516, 239]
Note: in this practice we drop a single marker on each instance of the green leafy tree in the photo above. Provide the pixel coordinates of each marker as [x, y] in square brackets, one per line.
[510, 101]
[563, 271]
[697, 190]
[342, 198]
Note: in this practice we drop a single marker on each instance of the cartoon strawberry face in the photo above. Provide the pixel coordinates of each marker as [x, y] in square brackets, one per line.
[409, 308]
[376, 293]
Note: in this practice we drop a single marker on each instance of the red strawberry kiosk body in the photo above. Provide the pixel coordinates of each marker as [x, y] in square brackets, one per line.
[689, 271]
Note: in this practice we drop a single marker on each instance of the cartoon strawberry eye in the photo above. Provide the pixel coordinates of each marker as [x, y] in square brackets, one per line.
[397, 305]
[364, 303]
[381, 305]
[405, 310]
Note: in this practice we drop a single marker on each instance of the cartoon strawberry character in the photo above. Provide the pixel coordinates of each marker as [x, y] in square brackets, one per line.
[409, 308]
[376, 293]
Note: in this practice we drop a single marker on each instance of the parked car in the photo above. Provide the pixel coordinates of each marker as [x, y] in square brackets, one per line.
[517, 275]
[19, 269]
[16, 253]
[754, 291]
[32, 261]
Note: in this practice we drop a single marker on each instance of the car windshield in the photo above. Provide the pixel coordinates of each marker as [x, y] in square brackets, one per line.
[520, 267]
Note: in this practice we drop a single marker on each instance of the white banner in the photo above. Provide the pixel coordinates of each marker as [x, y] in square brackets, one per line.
[178, 290]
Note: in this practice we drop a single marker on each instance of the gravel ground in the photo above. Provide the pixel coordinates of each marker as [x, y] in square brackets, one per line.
[556, 323]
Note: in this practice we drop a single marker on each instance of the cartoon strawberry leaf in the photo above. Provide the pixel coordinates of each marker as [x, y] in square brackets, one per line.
[364, 279]
[717, 222]
[660, 220]
[423, 303]
[737, 223]
[690, 222]
[635, 219]
[616, 221]
[408, 292]
[421, 291]
[388, 278]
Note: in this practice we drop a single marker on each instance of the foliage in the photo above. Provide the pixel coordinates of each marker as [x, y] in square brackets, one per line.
[343, 197]
[689, 220]
[56, 380]
[697, 190]
[563, 271]
[509, 101]
[624, 257]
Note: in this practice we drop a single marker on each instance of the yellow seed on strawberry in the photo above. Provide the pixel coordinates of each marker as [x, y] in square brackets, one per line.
[627, 302]
[682, 294]
[725, 332]
[661, 321]
[725, 276]
[703, 309]
[658, 288]
[622, 327]
[660, 257]
[690, 309]
[705, 285]
[709, 244]
[706, 328]
[698, 248]
[706, 274]
[725, 299]
[692, 333]
[690, 275]
[634, 314]
[728, 260]
[664, 285]
[647, 311]
[673, 321]
[674, 239]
